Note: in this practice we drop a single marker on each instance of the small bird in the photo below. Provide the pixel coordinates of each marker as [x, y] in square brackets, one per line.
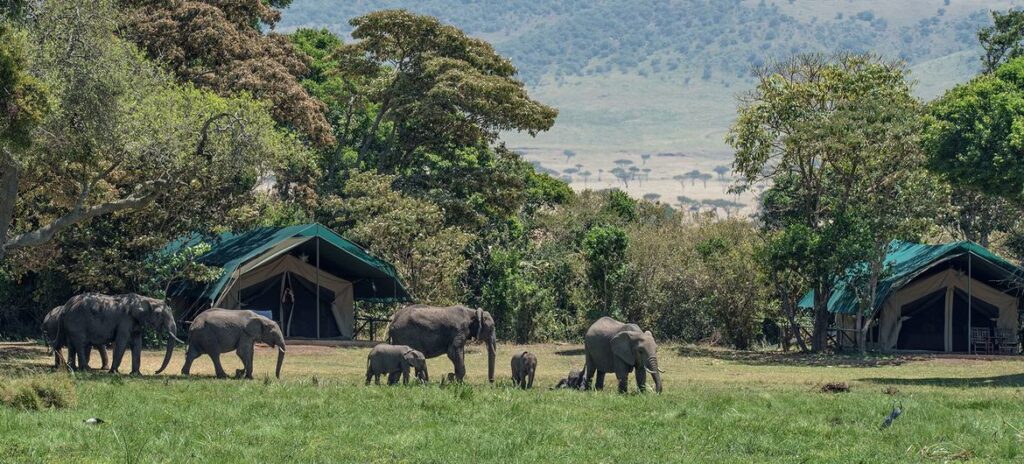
[93, 421]
[896, 411]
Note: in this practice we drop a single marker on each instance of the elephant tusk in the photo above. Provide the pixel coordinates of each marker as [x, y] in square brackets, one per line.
[281, 349]
[175, 338]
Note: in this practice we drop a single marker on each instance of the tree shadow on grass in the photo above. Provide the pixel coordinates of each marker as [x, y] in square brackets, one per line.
[1009, 380]
[778, 358]
[570, 352]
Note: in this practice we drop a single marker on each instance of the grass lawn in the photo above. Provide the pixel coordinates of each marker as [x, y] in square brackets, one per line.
[718, 406]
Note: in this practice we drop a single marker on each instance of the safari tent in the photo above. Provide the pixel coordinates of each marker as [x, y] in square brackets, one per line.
[930, 297]
[305, 277]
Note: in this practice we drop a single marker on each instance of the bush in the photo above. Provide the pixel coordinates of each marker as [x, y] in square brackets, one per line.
[38, 393]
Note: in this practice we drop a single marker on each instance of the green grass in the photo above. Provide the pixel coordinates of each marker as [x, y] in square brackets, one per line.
[718, 406]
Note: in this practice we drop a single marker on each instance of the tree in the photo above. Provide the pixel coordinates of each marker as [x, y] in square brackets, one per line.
[623, 175]
[604, 248]
[681, 178]
[123, 137]
[586, 177]
[839, 138]
[721, 171]
[406, 231]
[219, 45]
[568, 154]
[705, 177]
[439, 87]
[652, 197]
[1003, 40]
[645, 157]
[975, 133]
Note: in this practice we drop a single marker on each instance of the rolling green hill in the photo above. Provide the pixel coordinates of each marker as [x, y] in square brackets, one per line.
[661, 76]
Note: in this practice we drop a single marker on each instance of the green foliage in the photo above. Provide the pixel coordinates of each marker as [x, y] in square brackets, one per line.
[1003, 40]
[24, 98]
[975, 133]
[604, 248]
[406, 231]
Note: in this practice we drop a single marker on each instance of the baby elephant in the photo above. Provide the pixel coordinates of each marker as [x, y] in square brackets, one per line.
[395, 360]
[218, 331]
[524, 368]
[575, 380]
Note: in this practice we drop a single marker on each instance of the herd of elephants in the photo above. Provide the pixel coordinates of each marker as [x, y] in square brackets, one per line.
[416, 333]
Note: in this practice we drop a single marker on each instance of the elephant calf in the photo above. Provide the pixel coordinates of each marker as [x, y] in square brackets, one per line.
[575, 380]
[395, 360]
[218, 331]
[524, 368]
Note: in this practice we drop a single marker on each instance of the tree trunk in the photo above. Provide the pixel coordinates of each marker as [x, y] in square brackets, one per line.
[819, 339]
[373, 130]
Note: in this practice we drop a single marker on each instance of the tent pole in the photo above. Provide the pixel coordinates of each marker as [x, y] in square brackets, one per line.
[970, 326]
[318, 281]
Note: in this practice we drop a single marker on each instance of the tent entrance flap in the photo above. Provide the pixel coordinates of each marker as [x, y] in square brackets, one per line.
[924, 325]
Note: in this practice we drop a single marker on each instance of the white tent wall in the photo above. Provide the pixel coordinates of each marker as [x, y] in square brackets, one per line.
[342, 307]
[890, 319]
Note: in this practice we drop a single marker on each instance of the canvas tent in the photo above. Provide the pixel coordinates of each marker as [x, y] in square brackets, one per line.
[306, 277]
[930, 297]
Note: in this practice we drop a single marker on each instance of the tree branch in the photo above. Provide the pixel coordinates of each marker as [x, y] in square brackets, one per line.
[143, 197]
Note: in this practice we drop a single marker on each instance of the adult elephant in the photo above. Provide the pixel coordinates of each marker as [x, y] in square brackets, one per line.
[94, 319]
[435, 330]
[56, 339]
[218, 331]
[612, 346]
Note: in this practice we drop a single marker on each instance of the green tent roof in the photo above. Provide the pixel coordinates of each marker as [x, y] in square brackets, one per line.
[372, 279]
[906, 261]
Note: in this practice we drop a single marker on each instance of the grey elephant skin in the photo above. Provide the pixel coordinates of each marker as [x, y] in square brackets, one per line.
[524, 368]
[56, 339]
[218, 331]
[575, 380]
[92, 319]
[437, 331]
[612, 346]
[395, 360]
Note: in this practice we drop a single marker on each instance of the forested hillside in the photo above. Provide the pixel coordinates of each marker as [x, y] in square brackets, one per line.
[662, 76]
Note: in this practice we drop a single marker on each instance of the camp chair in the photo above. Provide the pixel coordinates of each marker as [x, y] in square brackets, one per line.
[1006, 341]
[982, 337]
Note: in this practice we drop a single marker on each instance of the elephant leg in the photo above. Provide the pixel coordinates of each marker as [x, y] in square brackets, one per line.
[623, 378]
[82, 354]
[215, 357]
[376, 379]
[600, 381]
[393, 377]
[245, 353]
[369, 374]
[190, 355]
[405, 376]
[529, 383]
[136, 354]
[102, 349]
[588, 369]
[458, 358]
[641, 378]
[120, 344]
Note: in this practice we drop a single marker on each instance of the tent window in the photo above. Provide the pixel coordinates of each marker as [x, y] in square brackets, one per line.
[926, 326]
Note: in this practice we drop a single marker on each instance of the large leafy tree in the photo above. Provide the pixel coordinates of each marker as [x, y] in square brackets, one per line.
[220, 45]
[975, 135]
[439, 89]
[125, 158]
[838, 135]
[1003, 40]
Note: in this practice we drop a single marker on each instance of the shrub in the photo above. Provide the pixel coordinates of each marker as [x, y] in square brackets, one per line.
[38, 393]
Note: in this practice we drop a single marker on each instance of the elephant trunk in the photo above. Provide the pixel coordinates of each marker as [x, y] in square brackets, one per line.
[170, 350]
[280, 360]
[491, 353]
[652, 367]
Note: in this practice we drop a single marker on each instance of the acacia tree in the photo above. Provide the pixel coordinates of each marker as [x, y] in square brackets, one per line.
[838, 137]
[1003, 40]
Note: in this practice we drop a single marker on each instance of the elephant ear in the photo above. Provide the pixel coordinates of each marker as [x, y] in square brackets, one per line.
[622, 347]
[254, 328]
[139, 308]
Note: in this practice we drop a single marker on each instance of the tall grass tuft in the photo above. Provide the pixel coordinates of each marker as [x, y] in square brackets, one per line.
[38, 393]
